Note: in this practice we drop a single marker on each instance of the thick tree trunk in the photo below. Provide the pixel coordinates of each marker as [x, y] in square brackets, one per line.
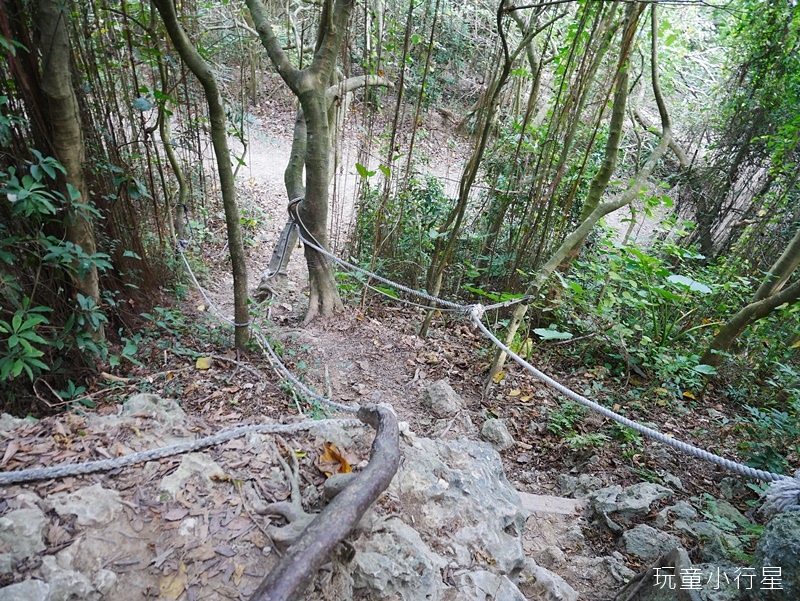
[293, 175]
[219, 138]
[67, 138]
[311, 86]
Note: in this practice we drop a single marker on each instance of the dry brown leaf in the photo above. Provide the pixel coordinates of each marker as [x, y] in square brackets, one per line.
[175, 514]
[332, 461]
[11, 450]
[173, 585]
[202, 553]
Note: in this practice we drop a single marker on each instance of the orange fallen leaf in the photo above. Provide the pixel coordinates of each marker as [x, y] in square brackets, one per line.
[332, 461]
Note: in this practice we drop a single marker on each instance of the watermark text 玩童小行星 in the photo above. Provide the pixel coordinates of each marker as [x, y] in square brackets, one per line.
[696, 579]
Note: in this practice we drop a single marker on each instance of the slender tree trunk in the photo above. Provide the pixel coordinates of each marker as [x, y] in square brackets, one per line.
[603, 175]
[443, 250]
[219, 138]
[598, 213]
[780, 272]
[67, 139]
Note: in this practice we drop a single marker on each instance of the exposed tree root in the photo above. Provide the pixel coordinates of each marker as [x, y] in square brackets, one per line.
[289, 579]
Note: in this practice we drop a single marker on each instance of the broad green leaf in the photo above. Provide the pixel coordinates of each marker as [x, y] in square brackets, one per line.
[143, 104]
[363, 172]
[546, 334]
[702, 368]
[689, 283]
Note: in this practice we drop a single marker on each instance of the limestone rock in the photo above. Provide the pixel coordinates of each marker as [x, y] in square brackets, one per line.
[648, 543]
[732, 488]
[21, 535]
[543, 585]
[495, 432]
[442, 399]
[166, 411]
[68, 585]
[716, 543]
[636, 500]
[94, 505]
[104, 581]
[586, 484]
[191, 463]
[396, 563]
[605, 499]
[28, 590]
[9, 422]
[456, 493]
[674, 578]
[486, 586]
[681, 510]
[336, 433]
[780, 546]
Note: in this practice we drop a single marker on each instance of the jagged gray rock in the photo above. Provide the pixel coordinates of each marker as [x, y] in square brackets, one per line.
[732, 488]
[486, 586]
[167, 411]
[779, 546]
[457, 492]
[442, 400]
[648, 543]
[395, 562]
[93, 506]
[495, 432]
[637, 499]
[604, 500]
[67, 585]
[191, 463]
[681, 510]
[27, 590]
[674, 578]
[21, 535]
[543, 585]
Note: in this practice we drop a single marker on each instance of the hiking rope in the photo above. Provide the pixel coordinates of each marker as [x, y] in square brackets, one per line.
[476, 314]
[314, 243]
[211, 304]
[79, 469]
[265, 345]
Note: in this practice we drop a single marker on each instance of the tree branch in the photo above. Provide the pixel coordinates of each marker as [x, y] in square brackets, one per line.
[351, 84]
[276, 54]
